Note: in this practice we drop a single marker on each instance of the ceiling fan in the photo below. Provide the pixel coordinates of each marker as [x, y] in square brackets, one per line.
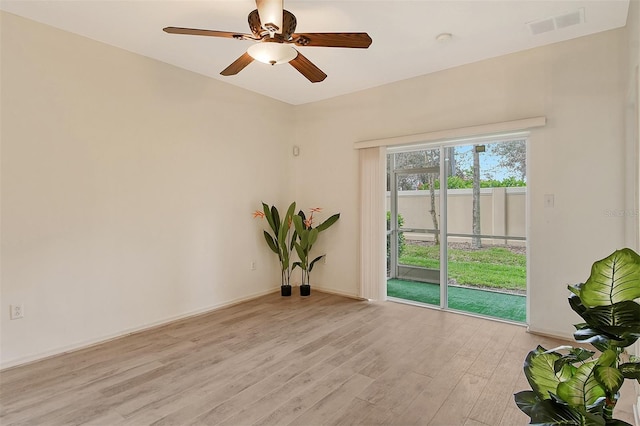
[273, 29]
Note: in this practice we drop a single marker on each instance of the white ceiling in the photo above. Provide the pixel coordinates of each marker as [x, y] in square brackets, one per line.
[403, 34]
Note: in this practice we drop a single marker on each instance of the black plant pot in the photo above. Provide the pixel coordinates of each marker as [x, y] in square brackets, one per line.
[285, 290]
[305, 290]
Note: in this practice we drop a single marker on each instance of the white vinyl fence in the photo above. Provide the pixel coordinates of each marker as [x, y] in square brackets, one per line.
[502, 214]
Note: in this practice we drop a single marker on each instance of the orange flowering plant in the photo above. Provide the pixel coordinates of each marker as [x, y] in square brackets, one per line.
[280, 240]
[307, 237]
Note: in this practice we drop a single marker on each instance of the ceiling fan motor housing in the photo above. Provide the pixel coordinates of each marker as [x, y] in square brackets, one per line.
[289, 23]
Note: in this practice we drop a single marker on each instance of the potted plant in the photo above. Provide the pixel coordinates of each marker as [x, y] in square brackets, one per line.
[576, 386]
[280, 240]
[307, 237]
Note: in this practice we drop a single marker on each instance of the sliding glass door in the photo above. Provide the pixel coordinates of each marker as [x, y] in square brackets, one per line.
[486, 233]
[462, 245]
[413, 227]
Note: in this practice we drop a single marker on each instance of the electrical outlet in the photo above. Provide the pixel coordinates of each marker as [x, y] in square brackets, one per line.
[16, 311]
[253, 265]
[324, 259]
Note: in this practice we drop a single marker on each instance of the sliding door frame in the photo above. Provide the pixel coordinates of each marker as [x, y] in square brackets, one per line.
[443, 172]
[393, 231]
[372, 155]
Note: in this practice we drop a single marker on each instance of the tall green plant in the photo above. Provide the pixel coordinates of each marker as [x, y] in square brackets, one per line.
[573, 386]
[280, 240]
[307, 237]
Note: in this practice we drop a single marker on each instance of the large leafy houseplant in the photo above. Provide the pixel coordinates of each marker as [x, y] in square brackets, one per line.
[280, 240]
[307, 237]
[576, 386]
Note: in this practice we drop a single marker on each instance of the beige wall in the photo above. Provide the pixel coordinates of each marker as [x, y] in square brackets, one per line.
[127, 190]
[575, 84]
[127, 184]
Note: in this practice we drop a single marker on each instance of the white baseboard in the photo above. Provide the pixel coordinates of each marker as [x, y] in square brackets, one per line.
[337, 292]
[553, 334]
[145, 327]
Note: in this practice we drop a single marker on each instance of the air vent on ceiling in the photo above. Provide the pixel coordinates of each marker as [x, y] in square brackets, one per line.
[557, 22]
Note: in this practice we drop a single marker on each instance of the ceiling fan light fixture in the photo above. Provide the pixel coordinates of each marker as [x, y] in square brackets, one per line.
[272, 53]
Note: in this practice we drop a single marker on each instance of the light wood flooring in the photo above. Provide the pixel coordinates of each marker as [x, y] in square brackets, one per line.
[324, 359]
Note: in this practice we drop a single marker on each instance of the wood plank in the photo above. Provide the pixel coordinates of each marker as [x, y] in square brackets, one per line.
[497, 395]
[396, 389]
[425, 405]
[329, 407]
[456, 408]
[295, 406]
[369, 415]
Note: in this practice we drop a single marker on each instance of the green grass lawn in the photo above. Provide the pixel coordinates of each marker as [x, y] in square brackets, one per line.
[496, 267]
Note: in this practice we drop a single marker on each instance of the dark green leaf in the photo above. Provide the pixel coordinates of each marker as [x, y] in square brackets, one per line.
[574, 355]
[297, 222]
[276, 219]
[555, 398]
[327, 223]
[595, 337]
[269, 216]
[576, 304]
[603, 340]
[525, 401]
[282, 236]
[581, 354]
[286, 226]
[630, 370]
[291, 210]
[594, 420]
[625, 340]
[313, 262]
[597, 407]
[616, 319]
[548, 412]
[313, 237]
[271, 242]
[302, 256]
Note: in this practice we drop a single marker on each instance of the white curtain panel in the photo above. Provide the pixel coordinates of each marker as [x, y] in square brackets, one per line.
[373, 260]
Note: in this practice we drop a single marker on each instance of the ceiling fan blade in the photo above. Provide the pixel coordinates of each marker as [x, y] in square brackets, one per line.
[307, 68]
[237, 65]
[354, 40]
[270, 12]
[209, 33]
